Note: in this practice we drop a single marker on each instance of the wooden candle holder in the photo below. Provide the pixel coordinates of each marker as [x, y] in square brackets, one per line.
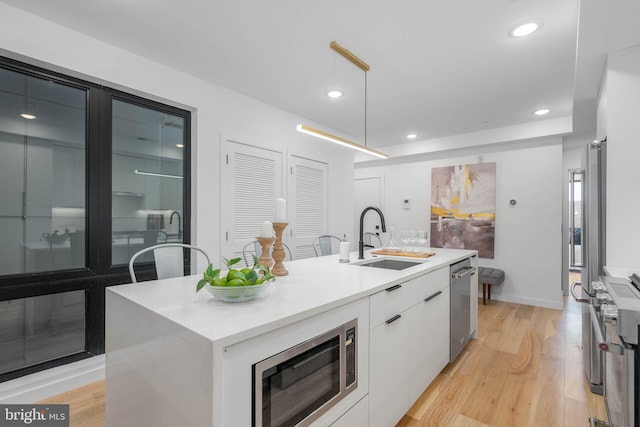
[265, 257]
[278, 250]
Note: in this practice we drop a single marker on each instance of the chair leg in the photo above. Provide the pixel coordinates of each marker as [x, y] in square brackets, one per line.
[489, 291]
[484, 294]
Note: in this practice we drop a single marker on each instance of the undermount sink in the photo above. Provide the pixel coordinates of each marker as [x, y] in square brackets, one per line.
[390, 264]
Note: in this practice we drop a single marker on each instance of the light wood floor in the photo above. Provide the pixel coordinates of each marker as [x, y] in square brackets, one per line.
[525, 369]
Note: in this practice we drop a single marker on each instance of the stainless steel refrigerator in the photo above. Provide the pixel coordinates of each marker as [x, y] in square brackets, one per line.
[593, 237]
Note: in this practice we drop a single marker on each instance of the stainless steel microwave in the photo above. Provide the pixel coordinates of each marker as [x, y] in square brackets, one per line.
[298, 385]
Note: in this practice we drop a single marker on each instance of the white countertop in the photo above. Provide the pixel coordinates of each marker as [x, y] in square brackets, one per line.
[313, 286]
[615, 271]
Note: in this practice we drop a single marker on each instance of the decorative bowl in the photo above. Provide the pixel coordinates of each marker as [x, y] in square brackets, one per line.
[237, 293]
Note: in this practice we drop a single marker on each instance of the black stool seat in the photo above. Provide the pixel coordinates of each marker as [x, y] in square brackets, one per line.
[489, 276]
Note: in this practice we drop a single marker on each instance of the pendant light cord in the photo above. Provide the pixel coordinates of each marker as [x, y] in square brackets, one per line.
[365, 108]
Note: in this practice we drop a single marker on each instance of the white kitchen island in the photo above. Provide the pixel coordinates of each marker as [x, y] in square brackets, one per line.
[174, 357]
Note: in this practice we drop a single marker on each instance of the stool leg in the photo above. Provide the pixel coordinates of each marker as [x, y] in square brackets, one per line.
[484, 294]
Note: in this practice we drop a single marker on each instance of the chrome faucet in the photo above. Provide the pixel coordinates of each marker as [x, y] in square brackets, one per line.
[179, 222]
[361, 242]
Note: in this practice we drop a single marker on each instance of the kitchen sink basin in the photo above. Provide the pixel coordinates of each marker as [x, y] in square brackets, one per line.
[390, 264]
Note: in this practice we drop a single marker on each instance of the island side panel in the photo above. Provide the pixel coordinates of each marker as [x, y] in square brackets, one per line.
[156, 372]
[239, 358]
[474, 298]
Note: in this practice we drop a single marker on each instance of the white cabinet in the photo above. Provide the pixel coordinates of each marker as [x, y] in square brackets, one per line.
[389, 354]
[389, 371]
[124, 177]
[12, 176]
[68, 176]
[171, 188]
[39, 175]
[160, 192]
[409, 343]
[429, 341]
[358, 415]
[390, 302]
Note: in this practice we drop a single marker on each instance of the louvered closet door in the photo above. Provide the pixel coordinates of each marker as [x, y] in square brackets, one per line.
[252, 181]
[308, 195]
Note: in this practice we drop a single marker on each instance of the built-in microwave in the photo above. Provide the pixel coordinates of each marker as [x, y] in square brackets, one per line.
[298, 385]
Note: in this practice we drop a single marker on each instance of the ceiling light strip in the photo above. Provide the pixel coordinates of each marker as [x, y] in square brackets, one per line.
[349, 56]
[163, 175]
[341, 141]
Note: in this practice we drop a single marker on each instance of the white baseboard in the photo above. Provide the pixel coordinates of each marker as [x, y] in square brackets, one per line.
[556, 305]
[41, 385]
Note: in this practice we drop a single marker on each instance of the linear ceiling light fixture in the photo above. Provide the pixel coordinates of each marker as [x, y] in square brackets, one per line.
[333, 138]
[163, 175]
[342, 141]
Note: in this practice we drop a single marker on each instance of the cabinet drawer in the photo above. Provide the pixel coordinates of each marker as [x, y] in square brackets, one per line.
[389, 303]
[428, 285]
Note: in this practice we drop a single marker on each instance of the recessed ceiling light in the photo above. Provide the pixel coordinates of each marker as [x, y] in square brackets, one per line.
[334, 94]
[412, 136]
[180, 145]
[27, 116]
[526, 29]
[541, 112]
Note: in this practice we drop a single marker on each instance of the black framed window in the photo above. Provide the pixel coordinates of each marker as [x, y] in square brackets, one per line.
[90, 175]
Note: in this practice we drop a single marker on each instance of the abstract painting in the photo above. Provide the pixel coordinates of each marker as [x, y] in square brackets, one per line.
[463, 207]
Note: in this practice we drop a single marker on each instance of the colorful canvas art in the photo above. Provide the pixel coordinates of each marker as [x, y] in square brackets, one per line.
[463, 207]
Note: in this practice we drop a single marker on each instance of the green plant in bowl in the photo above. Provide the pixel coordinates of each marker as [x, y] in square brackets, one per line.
[238, 285]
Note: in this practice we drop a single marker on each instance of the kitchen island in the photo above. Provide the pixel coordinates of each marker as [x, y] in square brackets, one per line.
[174, 357]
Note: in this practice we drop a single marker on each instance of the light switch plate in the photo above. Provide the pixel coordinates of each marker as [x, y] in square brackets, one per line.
[406, 203]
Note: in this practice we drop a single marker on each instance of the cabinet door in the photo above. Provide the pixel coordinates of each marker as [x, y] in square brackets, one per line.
[356, 416]
[39, 164]
[63, 176]
[171, 188]
[152, 184]
[251, 181]
[389, 372]
[429, 354]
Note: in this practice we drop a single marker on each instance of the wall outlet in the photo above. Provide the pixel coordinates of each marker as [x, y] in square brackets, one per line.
[406, 204]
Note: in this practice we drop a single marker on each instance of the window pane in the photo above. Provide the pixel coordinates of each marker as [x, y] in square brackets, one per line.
[42, 170]
[37, 329]
[147, 179]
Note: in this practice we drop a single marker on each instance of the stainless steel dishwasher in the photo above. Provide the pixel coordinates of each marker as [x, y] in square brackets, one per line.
[460, 312]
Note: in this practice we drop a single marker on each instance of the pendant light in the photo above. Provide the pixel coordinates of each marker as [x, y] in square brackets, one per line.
[336, 139]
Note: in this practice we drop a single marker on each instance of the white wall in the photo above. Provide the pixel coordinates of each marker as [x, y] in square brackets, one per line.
[619, 116]
[528, 245]
[217, 113]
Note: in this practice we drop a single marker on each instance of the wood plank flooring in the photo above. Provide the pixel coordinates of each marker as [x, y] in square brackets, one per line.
[525, 369]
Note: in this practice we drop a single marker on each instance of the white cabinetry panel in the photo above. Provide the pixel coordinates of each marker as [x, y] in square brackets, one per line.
[389, 372]
[356, 416]
[409, 352]
[429, 340]
[386, 304]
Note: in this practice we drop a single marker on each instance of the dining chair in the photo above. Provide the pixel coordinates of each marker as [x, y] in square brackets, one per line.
[254, 247]
[168, 258]
[323, 245]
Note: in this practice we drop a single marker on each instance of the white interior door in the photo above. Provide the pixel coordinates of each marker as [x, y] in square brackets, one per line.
[367, 192]
[251, 182]
[308, 182]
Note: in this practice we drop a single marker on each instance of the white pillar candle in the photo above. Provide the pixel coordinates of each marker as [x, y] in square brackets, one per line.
[281, 210]
[267, 229]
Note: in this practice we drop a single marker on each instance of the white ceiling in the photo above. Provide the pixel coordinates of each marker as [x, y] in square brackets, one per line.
[438, 67]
